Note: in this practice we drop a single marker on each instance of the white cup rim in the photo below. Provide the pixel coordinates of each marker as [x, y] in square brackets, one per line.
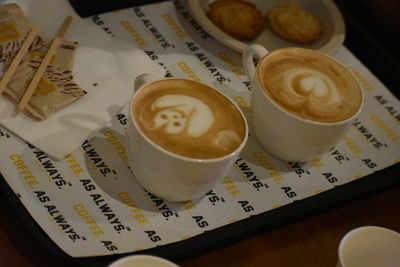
[181, 157]
[356, 230]
[141, 256]
[307, 120]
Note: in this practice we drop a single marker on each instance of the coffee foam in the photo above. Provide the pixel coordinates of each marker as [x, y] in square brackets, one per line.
[310, 85]
[189, 119]
[178, 113]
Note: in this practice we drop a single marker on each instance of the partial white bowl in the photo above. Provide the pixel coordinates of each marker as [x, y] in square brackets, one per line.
[332, 22]
[142, 261]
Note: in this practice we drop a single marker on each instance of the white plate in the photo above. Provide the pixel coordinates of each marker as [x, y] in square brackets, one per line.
[332, 22]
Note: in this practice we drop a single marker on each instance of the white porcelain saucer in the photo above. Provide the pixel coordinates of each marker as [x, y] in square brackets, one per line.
[331, 18]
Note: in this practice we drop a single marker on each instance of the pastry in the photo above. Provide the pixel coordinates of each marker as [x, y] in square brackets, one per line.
[240, 19]
[290, 21]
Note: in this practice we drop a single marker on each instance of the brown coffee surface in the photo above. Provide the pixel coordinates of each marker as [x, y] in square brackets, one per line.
[310, 85]
[189, 119]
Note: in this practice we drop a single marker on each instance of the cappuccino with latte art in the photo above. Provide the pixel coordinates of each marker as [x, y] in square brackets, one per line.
[310, 85]
[303, 101]
[189, 119]
[182, 136]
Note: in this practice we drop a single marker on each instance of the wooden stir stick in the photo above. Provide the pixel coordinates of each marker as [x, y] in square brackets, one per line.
[46, 60]
[18, 57]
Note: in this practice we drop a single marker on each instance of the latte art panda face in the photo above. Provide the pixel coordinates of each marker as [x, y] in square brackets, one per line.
[172, 118]
[181, 113]
[189, 119]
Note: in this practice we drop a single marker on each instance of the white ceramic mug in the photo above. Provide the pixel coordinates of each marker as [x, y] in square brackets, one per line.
[284, 135]
[369, 246]
[168, 175]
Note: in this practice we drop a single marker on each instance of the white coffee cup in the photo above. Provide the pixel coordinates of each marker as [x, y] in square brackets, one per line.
[281, 133]
[168, 175]
[370, 246]
[142, 261]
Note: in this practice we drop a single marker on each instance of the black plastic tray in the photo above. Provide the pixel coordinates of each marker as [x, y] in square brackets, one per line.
[380, 62]
[86, 8]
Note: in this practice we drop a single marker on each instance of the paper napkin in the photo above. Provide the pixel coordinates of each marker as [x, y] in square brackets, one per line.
[104, 66]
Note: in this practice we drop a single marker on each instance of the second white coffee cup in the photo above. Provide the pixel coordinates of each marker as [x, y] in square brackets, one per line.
[281, 131]
[170, 175]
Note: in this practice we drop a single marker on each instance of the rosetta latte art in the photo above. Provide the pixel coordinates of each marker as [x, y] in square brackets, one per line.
[310, 85]
[309, 89]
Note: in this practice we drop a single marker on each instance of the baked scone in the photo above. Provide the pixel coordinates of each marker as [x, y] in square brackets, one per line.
[290, 21]
[240, 19]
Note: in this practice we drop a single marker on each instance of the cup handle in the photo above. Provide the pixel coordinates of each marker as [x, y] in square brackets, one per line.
[143, 79]
[252, 50]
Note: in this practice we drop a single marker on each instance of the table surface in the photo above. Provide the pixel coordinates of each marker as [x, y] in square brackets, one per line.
[308, 241]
